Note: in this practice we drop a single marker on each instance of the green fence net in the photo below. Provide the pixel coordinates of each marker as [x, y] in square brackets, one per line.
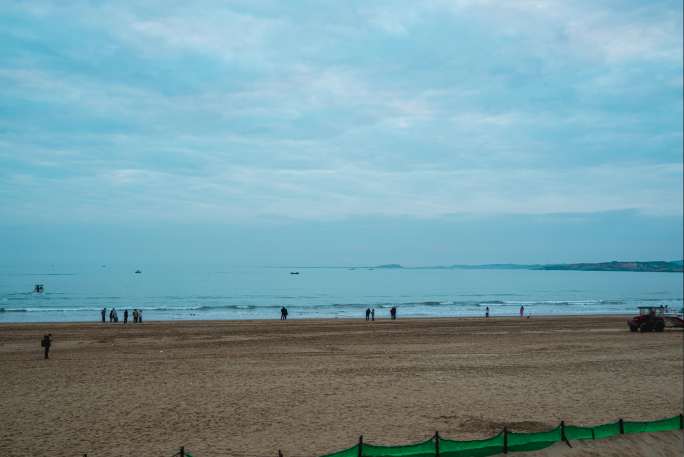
[518, 442]
[509, 441]
[661, 425]
[472, 448]
[424, 449]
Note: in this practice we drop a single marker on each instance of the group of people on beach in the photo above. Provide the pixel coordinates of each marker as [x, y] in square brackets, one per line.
[522, 312]
[114, 316]
[370, 313]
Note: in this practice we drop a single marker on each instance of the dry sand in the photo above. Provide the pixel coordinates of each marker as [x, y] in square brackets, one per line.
[311, 387]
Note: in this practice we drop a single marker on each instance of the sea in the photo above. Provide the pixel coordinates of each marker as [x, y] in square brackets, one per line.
[175, 292]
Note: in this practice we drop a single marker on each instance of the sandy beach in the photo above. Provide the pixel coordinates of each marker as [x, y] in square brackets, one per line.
[310, 387]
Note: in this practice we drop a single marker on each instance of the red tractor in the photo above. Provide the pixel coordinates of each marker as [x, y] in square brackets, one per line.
[653, 319]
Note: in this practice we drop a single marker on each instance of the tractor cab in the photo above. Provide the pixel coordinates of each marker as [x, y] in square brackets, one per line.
[657, 311]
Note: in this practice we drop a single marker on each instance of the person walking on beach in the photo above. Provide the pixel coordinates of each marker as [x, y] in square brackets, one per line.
[140, 316]
[487, 312]
[393, 313]
[368, 312]
[125, 316]
[45, 343]
[283, 314]
[103, 313]
[135, 315]
[111, 315]
[373, 314]
[522, 311]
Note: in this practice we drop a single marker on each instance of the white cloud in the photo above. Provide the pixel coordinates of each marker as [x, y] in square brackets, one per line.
[331, 131]
[234, 193]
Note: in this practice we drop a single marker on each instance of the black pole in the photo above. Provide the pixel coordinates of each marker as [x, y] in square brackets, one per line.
[681, 421]
[563, 437]
[280, 454]
[622, 427]
[436, 444]
[360, 452]
[505, 445]
[182, 452]
[563, 431]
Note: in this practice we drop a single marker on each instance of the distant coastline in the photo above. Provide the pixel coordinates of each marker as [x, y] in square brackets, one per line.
[659, 266]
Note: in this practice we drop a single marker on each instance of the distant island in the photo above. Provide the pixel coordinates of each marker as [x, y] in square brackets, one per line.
[675, 266]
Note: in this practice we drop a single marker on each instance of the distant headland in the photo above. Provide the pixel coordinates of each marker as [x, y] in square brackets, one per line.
[675, 266]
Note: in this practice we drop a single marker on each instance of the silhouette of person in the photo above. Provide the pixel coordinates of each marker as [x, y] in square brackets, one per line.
[368, 312]
[522, 310]
[487, 311]
[140, 316]
[373, 314]
[284, 313]
[111, 315]
[125, 316]
[46, 342]
[103, 313]
[135, 316]
[393, 313]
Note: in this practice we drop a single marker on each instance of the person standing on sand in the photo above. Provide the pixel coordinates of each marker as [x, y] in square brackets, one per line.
[45, 343]
[368, 311]
[125, 316]
[103, 313]
[522, 311]
[487, 312]
[140, 316]
[373, 314]
[393, 313]
[135, 315]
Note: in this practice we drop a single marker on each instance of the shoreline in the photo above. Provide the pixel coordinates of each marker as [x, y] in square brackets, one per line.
[320, 320]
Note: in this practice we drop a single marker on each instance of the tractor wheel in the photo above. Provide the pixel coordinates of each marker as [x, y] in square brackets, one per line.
[633, 328]
[660, 326]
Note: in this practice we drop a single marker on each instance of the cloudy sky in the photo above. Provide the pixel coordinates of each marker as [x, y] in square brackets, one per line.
[269, 132]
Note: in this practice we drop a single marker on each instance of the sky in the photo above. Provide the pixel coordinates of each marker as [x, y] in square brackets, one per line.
[341, 133]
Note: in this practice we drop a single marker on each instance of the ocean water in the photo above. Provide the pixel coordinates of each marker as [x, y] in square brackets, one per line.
[177, 292]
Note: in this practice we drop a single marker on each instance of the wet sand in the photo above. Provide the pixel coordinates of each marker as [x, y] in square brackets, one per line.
[310, 387]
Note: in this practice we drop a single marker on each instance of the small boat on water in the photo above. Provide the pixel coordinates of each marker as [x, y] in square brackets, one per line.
[38, 288]
[138, 272]
[294, 272]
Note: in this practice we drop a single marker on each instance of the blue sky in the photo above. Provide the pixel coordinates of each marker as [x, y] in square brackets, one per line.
[549, 129]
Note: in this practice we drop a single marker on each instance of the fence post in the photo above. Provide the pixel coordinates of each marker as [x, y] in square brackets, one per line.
[505, 444]
[360, 453]
[681, 421]
[182, 452]
[436, 444]
[622, 427]
[563, 438]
